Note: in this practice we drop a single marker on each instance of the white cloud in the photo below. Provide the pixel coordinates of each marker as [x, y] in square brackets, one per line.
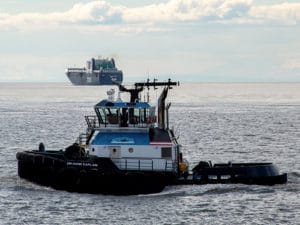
[104, 14]
[285, 13]
[96, 12]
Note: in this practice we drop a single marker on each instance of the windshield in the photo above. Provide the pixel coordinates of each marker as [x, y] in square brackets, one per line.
[125, 116]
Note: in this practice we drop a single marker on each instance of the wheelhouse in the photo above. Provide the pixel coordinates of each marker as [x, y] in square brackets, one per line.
[122, 114]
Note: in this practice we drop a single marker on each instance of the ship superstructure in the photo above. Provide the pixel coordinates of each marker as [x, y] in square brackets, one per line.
[97, 72]
[131, 135]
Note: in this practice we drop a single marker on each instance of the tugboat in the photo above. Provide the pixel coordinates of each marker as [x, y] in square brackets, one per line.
[129, 148]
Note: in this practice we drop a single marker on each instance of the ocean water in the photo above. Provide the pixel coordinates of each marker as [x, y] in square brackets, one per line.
[220, 122]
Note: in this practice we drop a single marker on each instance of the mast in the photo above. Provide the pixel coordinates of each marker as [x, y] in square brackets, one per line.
[155, 84]
[162, 109]
[139, 87]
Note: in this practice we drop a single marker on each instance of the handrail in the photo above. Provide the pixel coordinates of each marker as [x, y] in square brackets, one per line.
[92, 122]
[143, 164]
[76, 70]
[82, 139]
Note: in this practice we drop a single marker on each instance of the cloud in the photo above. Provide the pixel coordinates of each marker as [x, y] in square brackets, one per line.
[104, 14]
[96, 12]
[285, 13]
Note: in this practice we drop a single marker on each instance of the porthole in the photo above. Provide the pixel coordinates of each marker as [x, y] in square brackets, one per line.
[130, 150]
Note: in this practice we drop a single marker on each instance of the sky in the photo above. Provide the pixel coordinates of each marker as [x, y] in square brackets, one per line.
[188, 40]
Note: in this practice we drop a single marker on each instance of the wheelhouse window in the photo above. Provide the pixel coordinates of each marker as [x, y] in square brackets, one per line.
[108, 115]
[112, 115]
[101, 115]
[126, 116]
[141, 115]
[134, 115]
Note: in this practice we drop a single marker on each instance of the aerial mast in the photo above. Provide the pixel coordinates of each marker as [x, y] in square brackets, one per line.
[139, 87]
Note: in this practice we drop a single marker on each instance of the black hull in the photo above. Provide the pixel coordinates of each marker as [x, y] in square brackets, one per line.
[100, 175]
[264, 180]
[246, 173]
[97, 175]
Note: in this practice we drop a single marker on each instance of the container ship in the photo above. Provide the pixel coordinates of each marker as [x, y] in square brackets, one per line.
[97, 72]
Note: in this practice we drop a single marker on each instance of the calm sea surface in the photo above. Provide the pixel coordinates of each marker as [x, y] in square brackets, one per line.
[235, 122]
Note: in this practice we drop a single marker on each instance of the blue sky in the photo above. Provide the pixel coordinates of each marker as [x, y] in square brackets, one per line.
[190, 40]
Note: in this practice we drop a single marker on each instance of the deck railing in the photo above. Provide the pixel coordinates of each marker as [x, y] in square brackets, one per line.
[162, 165]
[82, 139]
[74, 70]
[92, 122]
